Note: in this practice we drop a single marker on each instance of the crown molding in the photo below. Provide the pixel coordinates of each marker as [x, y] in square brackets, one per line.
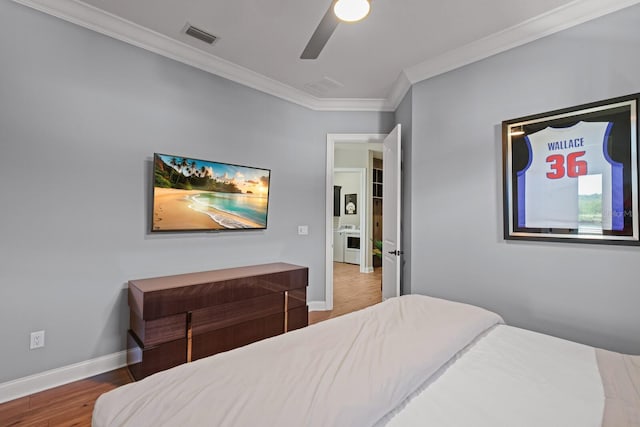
[398, 91]
[561, 18]
[95, 19]
[569, 15]
[350, 104]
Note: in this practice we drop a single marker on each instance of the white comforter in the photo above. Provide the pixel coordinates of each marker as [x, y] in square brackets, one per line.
[350, 371]
[512, 377]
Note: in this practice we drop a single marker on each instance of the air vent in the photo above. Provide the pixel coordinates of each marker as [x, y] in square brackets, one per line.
[322, 87]
[200, 34]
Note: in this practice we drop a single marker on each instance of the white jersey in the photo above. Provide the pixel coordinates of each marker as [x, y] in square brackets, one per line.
[565, 163]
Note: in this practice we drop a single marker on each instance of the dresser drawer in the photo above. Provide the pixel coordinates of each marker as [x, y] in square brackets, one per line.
[297, 318]
[238, 335]
[144, 361]
[157, 331]
[233, 313]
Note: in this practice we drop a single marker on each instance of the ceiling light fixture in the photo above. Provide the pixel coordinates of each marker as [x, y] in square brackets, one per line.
[351, 10]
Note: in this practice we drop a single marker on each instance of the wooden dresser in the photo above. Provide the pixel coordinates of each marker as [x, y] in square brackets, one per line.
[177, 319]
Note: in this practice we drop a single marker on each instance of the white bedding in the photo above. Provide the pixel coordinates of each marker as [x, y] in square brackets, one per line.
[512, 377]
[410, 361]
[350, 371]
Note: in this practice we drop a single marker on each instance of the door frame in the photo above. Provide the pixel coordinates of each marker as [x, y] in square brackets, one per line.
[332, 140]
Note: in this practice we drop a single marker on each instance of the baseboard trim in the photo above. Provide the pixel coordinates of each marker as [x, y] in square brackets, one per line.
[55, 377]
[317, 305]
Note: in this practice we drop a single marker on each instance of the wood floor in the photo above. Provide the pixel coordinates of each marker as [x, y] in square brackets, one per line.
[352, 291]
[72, 404]
[67, 405]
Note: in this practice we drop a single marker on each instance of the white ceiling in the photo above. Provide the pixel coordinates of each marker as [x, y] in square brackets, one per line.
[364, 66]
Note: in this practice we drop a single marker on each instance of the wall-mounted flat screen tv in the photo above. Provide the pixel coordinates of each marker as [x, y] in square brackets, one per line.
[201, 195]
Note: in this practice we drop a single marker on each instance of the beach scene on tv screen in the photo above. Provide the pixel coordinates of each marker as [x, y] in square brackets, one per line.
[192, 194]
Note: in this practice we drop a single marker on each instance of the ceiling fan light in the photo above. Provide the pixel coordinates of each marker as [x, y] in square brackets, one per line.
[351, 10]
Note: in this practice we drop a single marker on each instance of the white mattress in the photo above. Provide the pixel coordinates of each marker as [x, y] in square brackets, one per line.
[511, 377]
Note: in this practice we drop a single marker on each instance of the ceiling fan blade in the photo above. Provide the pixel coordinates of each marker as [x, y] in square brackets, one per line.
[321, 35]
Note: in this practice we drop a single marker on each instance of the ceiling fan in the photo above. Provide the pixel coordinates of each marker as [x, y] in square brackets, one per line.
[339, 10]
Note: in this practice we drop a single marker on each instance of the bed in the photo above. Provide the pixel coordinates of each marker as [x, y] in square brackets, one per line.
[409, 361]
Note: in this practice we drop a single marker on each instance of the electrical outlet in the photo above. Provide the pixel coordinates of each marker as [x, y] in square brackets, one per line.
[37, 340]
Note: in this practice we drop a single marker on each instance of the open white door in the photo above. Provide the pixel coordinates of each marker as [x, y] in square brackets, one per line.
[391, 215]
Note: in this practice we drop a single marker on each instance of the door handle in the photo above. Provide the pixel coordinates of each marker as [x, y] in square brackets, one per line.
[396, 252]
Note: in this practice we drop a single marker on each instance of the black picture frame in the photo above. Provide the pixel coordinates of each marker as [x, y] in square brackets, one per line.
[350, 204]
[571, 175]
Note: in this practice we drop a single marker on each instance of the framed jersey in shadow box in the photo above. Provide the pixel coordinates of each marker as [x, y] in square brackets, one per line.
[572, 175]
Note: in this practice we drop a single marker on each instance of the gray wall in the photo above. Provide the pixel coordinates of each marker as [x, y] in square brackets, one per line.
[587, 293]
[80, 117]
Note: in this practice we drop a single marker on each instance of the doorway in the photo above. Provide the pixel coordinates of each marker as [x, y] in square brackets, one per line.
[350, 152]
